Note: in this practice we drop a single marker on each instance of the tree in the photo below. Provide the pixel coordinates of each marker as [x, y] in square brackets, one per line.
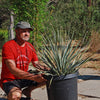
[4, 13]
[8, 14]
[28, 10]
[74, 16]
[69, 14]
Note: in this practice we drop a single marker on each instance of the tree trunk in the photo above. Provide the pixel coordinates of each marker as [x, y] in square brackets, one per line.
[88, 3]
[11, 26]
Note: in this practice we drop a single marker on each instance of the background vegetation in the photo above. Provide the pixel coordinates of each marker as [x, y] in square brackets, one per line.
[78, 16]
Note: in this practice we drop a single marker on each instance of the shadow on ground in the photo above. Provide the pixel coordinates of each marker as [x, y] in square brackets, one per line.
[89, 77]
[89, 96]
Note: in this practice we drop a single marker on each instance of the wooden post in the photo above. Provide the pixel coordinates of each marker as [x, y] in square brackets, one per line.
[11, 26]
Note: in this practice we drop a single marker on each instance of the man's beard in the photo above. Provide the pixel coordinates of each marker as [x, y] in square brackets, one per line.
[25, 39]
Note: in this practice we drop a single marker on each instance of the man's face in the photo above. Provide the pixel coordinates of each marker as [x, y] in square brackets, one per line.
[23, 34]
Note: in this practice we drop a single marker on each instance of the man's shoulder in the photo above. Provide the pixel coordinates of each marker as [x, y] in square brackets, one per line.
[9, 43]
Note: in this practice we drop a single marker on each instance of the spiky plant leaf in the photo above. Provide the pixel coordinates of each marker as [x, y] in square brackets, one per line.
[60, 55]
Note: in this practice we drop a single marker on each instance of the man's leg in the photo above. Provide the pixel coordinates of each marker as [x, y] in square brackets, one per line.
[14, 94]
[27, 91]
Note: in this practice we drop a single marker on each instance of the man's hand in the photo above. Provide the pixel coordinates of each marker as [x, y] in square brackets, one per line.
[39, 78]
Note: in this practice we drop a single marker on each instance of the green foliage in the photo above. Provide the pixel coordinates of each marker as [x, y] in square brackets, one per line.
[4, 14]
[61, 55]
[32, 11]
[3, 37]
[74, 16]
[95, 15]
[3, 34]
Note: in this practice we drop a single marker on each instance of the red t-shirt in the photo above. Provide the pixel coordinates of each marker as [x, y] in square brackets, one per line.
[21, 55]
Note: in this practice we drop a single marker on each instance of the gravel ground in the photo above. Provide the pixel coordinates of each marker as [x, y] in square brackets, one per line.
[88, 86]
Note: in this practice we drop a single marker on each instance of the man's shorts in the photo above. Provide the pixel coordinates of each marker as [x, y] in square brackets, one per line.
[20, 83]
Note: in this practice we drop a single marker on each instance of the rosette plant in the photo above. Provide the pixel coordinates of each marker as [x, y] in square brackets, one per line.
[62, 54]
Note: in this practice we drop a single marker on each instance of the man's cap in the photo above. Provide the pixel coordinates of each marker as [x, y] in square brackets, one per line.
[23, 25]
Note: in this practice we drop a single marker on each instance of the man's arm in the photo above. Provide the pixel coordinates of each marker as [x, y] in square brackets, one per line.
[40, 66]
[22, 74]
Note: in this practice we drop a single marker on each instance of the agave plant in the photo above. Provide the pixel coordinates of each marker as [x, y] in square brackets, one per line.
[60, 54]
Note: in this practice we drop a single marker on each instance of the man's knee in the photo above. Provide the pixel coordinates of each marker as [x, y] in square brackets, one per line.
[15, 94]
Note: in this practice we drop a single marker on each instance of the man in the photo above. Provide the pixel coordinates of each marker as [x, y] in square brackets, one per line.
[16, 56]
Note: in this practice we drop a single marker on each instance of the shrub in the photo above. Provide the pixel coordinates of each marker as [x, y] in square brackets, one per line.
[3, 34]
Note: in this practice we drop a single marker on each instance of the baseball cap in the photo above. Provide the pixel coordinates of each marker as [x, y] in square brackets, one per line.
[23, 25]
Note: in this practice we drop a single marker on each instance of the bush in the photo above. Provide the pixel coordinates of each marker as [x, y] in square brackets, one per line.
[3, 37]
[3, 34]
[75, 16]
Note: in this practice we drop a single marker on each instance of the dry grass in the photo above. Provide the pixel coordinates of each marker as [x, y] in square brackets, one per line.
[94, 50]
[95, 42]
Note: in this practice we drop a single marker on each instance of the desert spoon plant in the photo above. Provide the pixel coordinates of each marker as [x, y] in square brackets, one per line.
[61, 54]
